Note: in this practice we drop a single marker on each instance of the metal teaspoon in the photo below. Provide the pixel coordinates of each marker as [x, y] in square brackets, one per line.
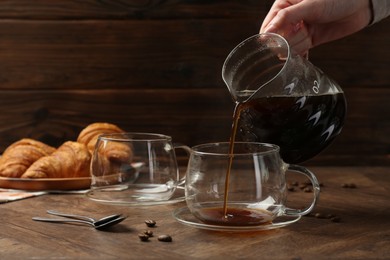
[101, 226]
[94, 221]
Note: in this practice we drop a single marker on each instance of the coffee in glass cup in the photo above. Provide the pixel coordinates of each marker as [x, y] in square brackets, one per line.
[254, 193]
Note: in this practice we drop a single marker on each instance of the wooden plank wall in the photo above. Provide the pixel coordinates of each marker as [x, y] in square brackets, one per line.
[155, 66]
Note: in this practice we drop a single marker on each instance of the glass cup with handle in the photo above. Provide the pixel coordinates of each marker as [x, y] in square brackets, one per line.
[134, 168]
[249, 191]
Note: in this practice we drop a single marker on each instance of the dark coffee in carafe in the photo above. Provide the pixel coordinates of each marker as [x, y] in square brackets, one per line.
[281, 98]
[302, 126]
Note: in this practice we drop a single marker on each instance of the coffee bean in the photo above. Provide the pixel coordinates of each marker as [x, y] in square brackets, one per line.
[165, 238]
[150, 222]
[319, 215]
[302, 186]
[290, 188]
[148, 232]
[143, 237]
[294, 183]
[307, 189]
[330, 216]
[335, 219]
[349, 185]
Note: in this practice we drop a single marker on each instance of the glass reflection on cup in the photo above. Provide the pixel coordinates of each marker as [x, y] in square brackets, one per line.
[134, 167]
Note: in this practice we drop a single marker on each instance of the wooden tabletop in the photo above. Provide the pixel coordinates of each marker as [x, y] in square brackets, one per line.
[360, 231]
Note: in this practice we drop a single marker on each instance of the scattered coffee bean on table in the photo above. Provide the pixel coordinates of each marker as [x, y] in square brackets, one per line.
[319, 215]
[150, 222]
[143, 237]
[165, 238]
[302, 186]
[335, 219]
[330, 216]
[290, 188]
[148, 232]
[305, 186]
[349, 185]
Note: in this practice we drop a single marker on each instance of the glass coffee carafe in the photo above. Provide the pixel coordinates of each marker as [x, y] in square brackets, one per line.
[282, 98]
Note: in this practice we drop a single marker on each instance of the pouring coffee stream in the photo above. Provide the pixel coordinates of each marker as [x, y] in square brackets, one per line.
[236, 116]
[280, 98]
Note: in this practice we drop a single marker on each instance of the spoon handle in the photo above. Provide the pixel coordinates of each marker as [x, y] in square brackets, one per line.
[62, 220]
[56, 213]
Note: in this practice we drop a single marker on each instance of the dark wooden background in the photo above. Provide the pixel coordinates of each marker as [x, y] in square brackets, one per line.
[155, 66]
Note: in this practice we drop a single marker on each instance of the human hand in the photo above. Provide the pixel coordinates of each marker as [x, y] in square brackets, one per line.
[308, 23]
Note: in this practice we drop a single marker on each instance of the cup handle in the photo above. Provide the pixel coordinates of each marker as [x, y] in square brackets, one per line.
[316, 191]
[182, 181]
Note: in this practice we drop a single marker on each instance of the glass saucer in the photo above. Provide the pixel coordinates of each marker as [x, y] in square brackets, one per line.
[122, 198]
[184, 216]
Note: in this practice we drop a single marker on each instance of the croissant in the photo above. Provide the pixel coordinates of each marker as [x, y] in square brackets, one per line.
[90, 134]
[18, 157]
[70, 160]
[111, 157]
[111, 154]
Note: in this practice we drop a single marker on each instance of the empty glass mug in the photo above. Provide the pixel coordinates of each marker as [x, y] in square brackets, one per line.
[134, 168]
[285, 99]
[256, 185]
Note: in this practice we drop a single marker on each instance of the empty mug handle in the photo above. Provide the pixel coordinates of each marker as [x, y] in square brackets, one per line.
[186, 148]
[316, 191]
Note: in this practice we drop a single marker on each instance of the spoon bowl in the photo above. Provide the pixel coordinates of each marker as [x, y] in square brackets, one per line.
[110, 223]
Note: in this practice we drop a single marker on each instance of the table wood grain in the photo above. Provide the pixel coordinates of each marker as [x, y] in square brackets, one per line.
[362, 233]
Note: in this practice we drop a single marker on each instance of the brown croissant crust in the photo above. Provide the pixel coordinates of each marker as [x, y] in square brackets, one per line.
[19, 156]
[110, 157]
[70, 160]
[113, 153]
[90, 134]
